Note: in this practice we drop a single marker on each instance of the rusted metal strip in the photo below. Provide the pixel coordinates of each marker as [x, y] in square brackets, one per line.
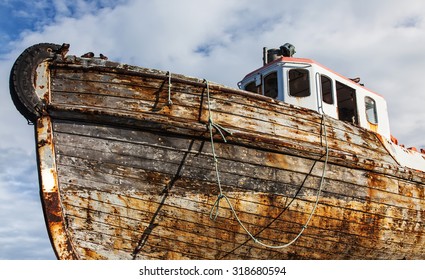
[49, 188]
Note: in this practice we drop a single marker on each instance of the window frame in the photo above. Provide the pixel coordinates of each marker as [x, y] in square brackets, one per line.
[266, 84]
[322, 76]
[347, 107]
[308, 82]
[373, 119]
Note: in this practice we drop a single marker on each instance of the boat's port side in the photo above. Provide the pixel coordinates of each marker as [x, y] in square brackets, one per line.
[129, 193]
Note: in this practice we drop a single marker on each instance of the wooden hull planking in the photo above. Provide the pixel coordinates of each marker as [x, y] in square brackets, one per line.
[133, 175]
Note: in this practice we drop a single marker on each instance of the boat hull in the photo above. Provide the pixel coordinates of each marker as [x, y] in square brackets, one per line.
[143, 164]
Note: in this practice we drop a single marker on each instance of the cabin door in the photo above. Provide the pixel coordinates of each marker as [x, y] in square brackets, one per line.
[326, 95]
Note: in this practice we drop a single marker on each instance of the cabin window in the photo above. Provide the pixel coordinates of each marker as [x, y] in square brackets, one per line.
[270, 85]
[346, 99]
[371, 114]
[327, 95]
[251, 87]
[299, 83]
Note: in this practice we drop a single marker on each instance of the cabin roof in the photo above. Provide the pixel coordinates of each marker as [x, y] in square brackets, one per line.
[284, 59]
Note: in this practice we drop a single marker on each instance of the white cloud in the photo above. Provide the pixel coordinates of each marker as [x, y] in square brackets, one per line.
[380, 41]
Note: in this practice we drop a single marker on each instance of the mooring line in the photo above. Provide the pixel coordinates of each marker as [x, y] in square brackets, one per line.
[221, 195]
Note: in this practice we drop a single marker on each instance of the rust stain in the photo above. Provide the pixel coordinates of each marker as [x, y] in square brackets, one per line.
[52, 206]
[376, 181]
[276, 160]
[373, 127]
[92, 255]
[56, 226]
[50, 192]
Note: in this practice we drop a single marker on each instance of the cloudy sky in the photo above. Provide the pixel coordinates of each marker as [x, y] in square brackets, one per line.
[381, 41]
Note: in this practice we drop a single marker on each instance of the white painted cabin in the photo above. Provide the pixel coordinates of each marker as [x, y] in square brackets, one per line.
[308, 84]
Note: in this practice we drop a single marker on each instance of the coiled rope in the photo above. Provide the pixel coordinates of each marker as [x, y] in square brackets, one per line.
[221, 195]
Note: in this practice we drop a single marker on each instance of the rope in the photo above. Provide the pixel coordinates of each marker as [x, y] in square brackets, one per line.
[169, 102]
[212, 125]
[221, 195]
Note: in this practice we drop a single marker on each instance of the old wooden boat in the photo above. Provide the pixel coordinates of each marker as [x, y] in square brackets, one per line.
[297, 163]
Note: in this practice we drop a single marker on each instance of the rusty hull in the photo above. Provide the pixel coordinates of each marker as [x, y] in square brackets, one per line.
[125, 174]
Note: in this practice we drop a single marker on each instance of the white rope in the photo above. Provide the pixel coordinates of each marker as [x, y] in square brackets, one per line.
[169, 102]
[221, 195]
[211, 124]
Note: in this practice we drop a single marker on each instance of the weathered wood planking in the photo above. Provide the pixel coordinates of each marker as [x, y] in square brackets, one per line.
[242, 115]
[127, 170]
[113, 178]
[110, 162]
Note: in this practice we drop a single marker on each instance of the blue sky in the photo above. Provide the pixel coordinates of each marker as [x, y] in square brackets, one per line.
[381, 41]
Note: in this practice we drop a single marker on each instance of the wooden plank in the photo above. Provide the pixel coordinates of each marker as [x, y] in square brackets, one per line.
[232, 117]
[196, 207]
[137, 168]
[261, 169]
[164, 217]
[176, 211]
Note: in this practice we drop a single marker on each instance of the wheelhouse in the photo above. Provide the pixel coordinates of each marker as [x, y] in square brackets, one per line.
[305, 83]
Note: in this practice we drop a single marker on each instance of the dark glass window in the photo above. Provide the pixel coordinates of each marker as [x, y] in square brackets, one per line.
[270, 85]
[251, 87]
[346, 102]
[327, 95]
[299, 83]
